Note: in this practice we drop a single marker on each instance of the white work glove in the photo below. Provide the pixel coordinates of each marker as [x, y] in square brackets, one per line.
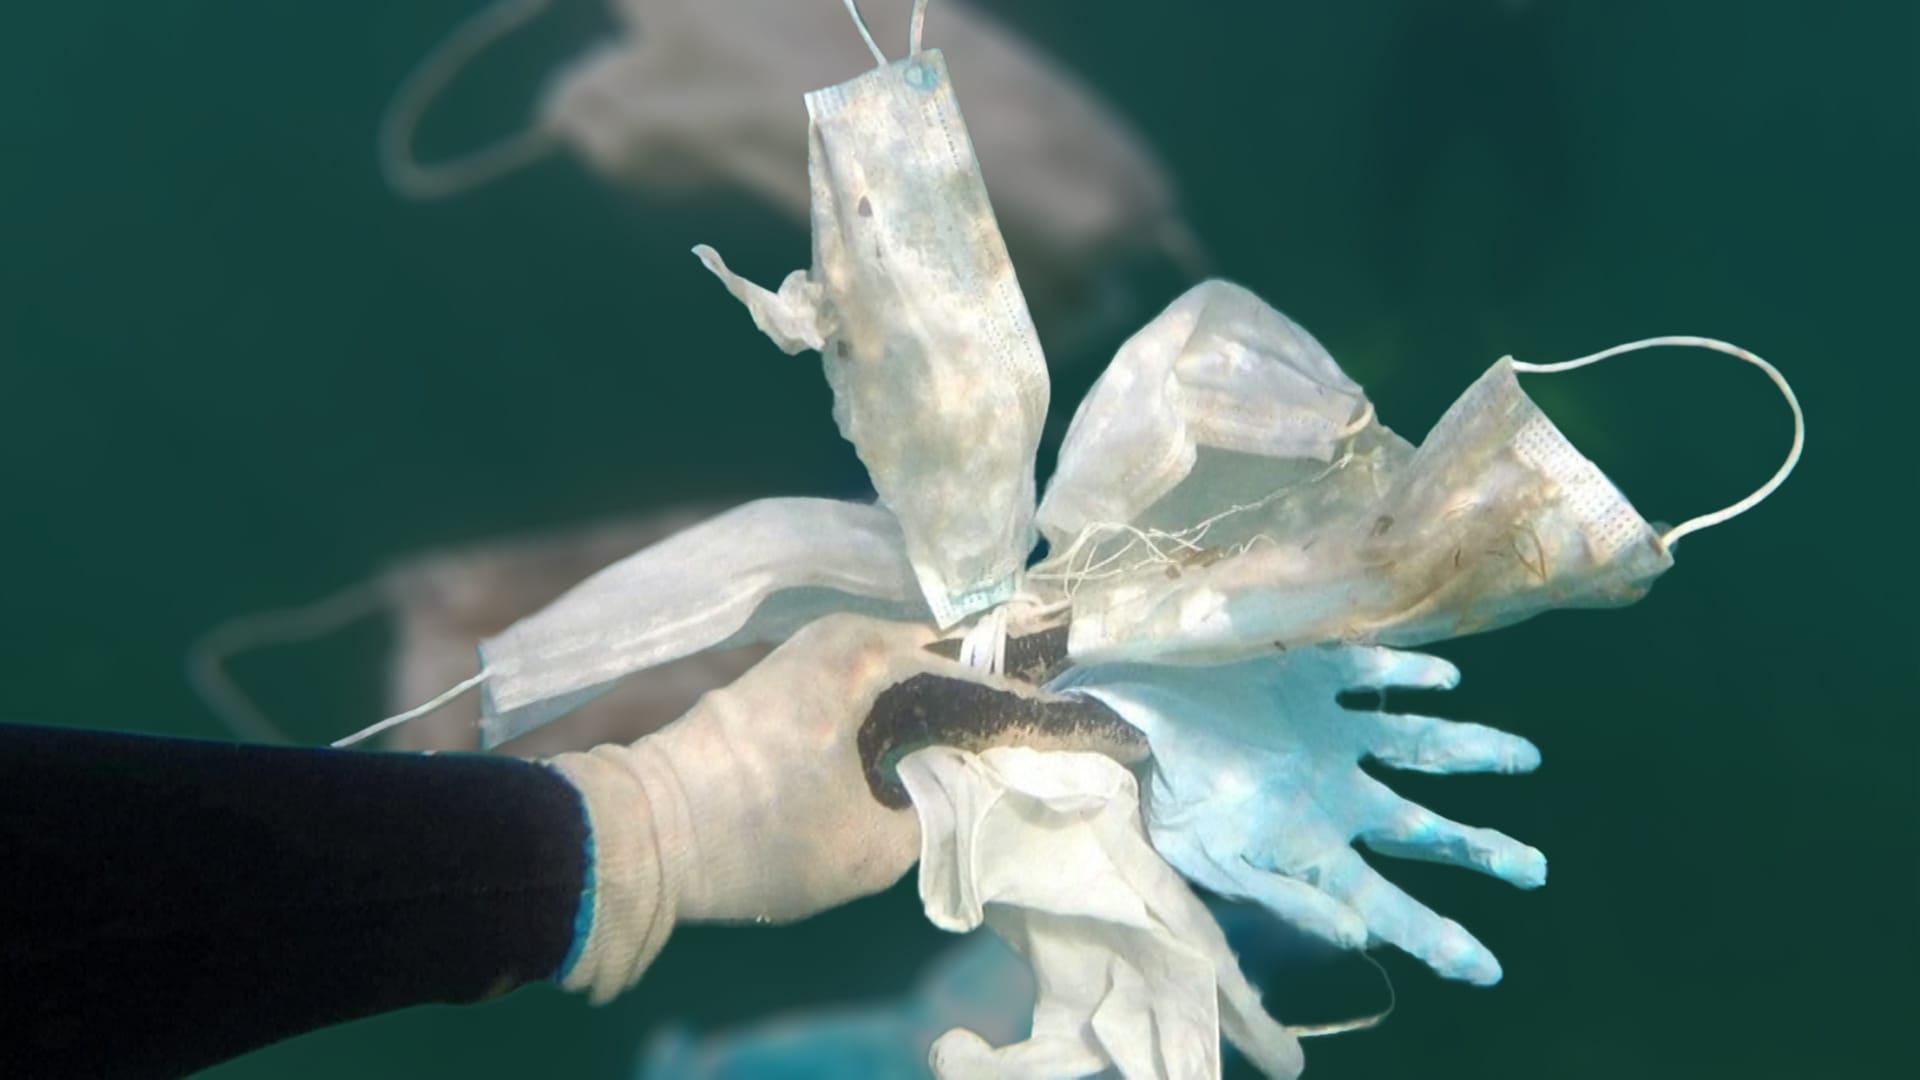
[752, 806]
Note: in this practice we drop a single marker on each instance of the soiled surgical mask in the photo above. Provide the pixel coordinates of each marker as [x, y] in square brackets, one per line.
[697, 94]
[937, 374]
[1219, 399]
[1360, 538]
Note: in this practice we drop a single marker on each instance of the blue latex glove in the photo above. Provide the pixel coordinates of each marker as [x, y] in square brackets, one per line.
[1256, 791]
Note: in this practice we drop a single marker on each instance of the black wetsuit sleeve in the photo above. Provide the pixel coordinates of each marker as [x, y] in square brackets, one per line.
[166, 904]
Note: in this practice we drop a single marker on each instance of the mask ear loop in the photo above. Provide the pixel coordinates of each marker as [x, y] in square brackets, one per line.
[207, 659]
[416, 180]
[866, 35]
[1693, 525]
[1341, 1027]
[916, 26]
[445, 698]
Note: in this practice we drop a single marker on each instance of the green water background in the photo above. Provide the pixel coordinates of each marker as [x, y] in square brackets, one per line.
[235, 373]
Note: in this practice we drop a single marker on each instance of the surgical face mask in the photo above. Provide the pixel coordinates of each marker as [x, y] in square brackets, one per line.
[1219, 399]
[937, 374]
[443, 603]
[751, 576]
[699, 94]
[439, 604]
[1495, 519]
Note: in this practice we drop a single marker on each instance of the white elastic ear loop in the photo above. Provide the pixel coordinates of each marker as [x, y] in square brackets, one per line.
[407, 175]
[915, 27]
[1341, 1027]
[414, 713]
[1693, 525]
[866, 35]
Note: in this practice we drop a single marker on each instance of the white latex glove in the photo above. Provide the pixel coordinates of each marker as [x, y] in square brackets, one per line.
[753, 806]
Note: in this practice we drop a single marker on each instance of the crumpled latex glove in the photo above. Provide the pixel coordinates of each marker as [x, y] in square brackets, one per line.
[1132, 973]
[751, 807]
[1256, 790]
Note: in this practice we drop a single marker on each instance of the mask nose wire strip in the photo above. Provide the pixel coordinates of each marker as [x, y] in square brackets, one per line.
[866, 35]
[1704, 521]
[207, 658]
[416, 180]
[411, 714]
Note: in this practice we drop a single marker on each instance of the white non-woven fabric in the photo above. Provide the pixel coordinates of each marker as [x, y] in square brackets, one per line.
[1495, 519]
[440, 604]
[1132, 972]
[444, 602]
[1219, 369]
[1221, 426]
[937, 374]
[754, 574]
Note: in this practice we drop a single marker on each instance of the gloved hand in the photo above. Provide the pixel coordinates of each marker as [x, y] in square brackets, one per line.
[1256, 790]
[754, 805]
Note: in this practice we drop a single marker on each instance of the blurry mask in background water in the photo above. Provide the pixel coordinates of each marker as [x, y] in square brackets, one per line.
[978, 984]
[937, 374]
[695, 94]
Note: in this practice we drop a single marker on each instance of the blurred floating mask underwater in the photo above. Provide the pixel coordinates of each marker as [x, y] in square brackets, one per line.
[978, 985]
[698, 94]
[1234, 540]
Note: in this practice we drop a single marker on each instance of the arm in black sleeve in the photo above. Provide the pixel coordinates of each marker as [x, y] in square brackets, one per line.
[166, 904]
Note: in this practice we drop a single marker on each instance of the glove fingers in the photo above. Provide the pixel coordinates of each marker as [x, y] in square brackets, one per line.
[1400, 920]
[1412, 831]
[1376, 667]
[1431, 745]
[1304, 907]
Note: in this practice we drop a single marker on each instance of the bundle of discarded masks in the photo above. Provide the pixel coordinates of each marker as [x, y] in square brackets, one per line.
[1233, 541]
